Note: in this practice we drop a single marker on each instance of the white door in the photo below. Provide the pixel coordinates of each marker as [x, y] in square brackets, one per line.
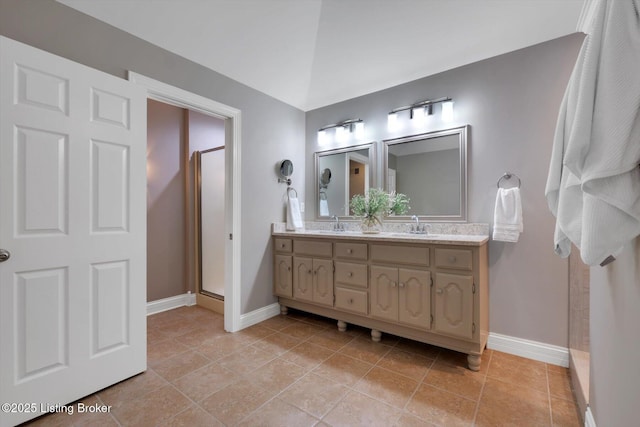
[72, 215]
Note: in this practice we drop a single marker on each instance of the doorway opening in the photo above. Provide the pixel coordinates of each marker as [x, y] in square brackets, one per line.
[171, 95]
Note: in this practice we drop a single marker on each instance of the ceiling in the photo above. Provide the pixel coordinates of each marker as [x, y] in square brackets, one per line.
[313, 53]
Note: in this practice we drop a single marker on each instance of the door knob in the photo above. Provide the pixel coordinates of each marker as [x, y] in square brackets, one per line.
[4, 255]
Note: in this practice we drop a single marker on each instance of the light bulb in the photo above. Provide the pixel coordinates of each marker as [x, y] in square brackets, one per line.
[418, 115]
[392, 121]
[447, 111]
[359, 132]
[322, 137]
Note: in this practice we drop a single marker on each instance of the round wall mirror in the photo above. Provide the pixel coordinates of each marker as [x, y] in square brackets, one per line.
[325, 177]
[286, 169]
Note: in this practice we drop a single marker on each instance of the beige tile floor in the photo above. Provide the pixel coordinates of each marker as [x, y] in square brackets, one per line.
[298, 370]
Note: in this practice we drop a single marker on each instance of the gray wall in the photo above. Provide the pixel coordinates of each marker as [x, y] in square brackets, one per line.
[511, 102]
[271, 130]
[166, 213]
[615, 342]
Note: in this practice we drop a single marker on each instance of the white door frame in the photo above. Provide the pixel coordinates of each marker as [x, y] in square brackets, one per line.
[172, 95]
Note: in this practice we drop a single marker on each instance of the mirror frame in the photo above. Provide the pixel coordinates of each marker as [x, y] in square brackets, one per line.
[316, 173]
[462, 133]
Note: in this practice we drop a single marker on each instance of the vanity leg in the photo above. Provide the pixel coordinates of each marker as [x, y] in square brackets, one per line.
[283, 310]
[342, 326]
[376, 335]
[474, 360]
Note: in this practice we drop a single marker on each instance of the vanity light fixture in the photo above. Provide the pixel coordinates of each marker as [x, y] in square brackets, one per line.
[418, 110]
[343, 129]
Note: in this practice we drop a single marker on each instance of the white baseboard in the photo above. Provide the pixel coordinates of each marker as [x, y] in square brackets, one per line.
[257, 316]
[170, 303]
[542, 352]
[589, 421]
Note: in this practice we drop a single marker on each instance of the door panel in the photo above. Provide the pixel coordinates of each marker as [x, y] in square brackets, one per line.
[384, 292]
[303, 278]
[283, 276]
[109, 187]
[42, 206]
[41, 322]
[454, 305]
[73, 216]
[415, 298]
[323, 281]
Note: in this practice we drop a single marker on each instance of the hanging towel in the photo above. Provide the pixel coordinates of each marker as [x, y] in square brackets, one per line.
[507, 216]
[294, 219]
[324, 207]
[593, 186]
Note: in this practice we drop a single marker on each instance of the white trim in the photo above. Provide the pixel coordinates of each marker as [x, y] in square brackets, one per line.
[170, 303]
[181, 98]
[589, 421]
[257, 316]
[542, 352]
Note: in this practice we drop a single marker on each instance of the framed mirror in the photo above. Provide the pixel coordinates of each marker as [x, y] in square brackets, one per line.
[431, 169]
[339, 175]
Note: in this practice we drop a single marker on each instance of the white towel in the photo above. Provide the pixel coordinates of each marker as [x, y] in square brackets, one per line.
[294, 219]
[593, 187]
[507, 216]
[324, 207]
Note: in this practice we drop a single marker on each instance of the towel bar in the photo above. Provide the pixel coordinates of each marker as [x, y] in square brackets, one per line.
[507, 176]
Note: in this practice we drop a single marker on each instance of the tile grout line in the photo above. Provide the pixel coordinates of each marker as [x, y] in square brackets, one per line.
[546, 372]
[484, 383]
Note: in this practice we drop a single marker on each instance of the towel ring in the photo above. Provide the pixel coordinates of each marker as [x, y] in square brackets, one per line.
[507, 176]
[292, 189]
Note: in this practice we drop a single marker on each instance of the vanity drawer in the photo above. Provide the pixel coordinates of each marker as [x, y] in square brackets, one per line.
[313, 248]
[461, 259]
[283, 245]
[351, 300]
[400, 254]
[351, 274]
[351, 250]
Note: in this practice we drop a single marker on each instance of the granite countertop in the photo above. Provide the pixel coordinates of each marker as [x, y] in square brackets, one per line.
[386, 236]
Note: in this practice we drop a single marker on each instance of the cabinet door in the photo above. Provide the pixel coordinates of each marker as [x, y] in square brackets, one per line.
[323, 281]
[414, 296]
[384, 292]
[454, 305]
[283, 276]
[303, 278]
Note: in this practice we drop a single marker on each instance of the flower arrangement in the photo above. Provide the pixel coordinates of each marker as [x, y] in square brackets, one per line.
[378, 203]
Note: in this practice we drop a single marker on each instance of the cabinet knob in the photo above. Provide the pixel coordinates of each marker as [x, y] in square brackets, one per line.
[439, 291]
[309, 272]
[393, 284]
[288, 268]
[350, 301]
[349, 251]
[452, 259]
[350, 274]
[282, 245]
[402, 284]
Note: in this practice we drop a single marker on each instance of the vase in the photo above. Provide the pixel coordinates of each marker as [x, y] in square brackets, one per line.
[371, 225]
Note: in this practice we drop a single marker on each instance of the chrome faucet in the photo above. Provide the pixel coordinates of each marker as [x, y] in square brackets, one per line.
[336, 225]
[416, 228]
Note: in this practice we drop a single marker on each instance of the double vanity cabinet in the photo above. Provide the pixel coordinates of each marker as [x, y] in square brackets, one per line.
[428, 288]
